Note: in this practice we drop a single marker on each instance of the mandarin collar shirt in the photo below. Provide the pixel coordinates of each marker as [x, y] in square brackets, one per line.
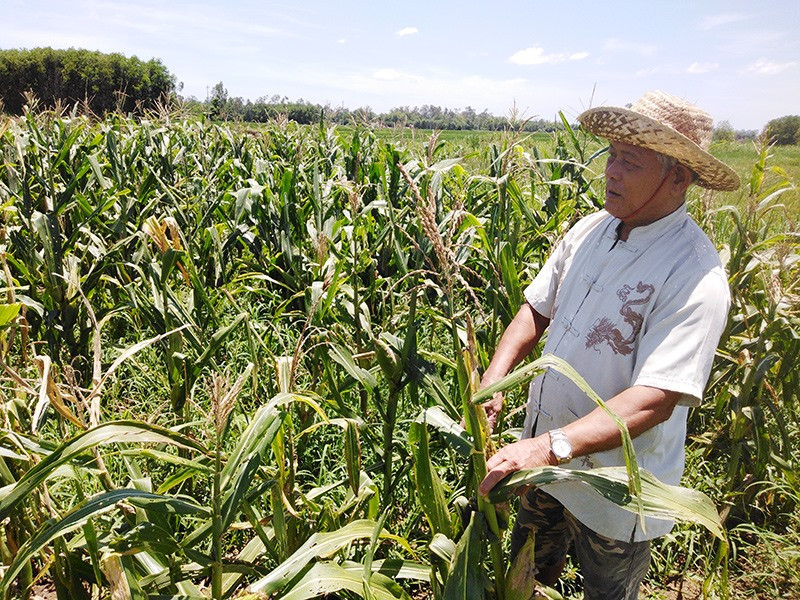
[649, 311]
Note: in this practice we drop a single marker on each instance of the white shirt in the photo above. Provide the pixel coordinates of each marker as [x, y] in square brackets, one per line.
[646, 311]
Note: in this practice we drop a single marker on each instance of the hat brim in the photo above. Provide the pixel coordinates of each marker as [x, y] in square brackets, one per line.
[625, 125]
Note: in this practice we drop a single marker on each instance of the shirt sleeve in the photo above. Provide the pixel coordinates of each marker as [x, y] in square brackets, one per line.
[542, 291]
[676, 350]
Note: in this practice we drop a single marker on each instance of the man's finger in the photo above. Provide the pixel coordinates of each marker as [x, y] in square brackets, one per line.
[495, 459]
[492, 477]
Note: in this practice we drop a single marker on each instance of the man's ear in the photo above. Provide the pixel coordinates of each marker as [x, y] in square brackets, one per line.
[682, 178]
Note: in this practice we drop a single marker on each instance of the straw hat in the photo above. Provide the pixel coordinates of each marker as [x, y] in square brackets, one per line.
[669, 125]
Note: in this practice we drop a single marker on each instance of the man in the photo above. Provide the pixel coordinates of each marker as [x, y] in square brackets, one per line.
[635, 298]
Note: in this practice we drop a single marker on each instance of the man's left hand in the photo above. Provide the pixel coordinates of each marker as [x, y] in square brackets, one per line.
[524, 454]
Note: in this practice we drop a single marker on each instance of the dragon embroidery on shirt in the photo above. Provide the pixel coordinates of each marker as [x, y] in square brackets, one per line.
[604, 330]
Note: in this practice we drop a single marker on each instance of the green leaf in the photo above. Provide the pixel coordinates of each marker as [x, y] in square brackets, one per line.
[9, 312]
[658, 499]
[75, 519]
[525, 373]
[97, 171]
[352, 454]
[257, 438]
[170, 505]
[453, 432]
[430, 490]
[237, 489]
[395, 568]
[166, 458]
[114, 432]
[328, 577]
[508, 269]
[216, 341]
[317, 546]
[465, 581]
[145, 536]
[345, 359]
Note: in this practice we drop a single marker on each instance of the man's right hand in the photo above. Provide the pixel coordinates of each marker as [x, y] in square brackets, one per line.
[518, 341]
[493, 408]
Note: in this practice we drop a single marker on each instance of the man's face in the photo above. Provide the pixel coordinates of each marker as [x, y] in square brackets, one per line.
[633, 176]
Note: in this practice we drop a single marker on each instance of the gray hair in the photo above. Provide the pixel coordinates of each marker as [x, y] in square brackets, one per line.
[667, 162]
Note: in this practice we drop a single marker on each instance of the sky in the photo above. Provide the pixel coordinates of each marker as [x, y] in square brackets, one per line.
[739, 60]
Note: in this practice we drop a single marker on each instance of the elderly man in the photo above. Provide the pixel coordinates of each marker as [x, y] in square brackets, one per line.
[635, 298]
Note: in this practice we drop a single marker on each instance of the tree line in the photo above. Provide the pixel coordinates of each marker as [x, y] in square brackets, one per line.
[112, 82]
[220, 106]
[103, 82]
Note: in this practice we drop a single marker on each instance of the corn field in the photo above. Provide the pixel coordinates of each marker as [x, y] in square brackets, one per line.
[243, 363]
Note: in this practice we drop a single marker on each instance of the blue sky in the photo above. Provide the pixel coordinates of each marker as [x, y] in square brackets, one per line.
[738, 60]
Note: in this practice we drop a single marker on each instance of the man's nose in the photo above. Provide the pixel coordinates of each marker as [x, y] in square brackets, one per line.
[612, 171]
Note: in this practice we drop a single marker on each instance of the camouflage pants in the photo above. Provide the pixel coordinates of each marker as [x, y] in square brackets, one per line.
[612, 569]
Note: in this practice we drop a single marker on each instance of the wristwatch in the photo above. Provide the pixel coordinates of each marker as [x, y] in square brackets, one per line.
[560, 446]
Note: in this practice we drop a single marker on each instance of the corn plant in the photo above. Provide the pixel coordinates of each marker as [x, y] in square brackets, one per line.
[359, 283]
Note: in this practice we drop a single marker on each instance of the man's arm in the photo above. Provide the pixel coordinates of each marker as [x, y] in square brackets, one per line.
[640, 407]
[518, 341]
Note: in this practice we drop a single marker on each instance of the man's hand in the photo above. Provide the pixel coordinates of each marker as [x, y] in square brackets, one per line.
[524, 454]
[493, 408]
[518, 340]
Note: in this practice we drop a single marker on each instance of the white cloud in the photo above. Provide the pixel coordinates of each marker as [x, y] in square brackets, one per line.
[617, 45]
[407, 31]
[341, 41]
[394, 75]
[754, 42]
[766, 67]
[537, 56]
[388, 87]
[701, 67]
[713, 21]
[647, 72]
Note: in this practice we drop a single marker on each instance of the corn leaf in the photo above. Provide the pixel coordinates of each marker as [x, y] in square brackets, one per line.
[430, 490]
[464, 581]
[328, 577]
[345, 359]
[145, 536]
[526, 372]
[455, 435]
[352, 454]
[319, 545]
[658, 499]
[237, 488]
[257, 438]
[77, 518]
[394, 568]
[9, 312]
[107, 433]
[121, 578]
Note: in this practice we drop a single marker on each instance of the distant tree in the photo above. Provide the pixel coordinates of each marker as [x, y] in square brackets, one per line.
[217, 101]
[724, 132]
[106, 82]
[746, 134]
[783, 131]
[219, 106]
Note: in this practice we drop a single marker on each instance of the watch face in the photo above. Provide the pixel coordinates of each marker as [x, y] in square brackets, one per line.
[561, 448]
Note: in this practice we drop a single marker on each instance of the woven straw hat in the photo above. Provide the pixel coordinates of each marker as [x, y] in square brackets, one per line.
[669, 125]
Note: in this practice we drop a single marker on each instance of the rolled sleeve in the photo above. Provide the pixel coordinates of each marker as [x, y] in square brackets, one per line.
[677, 348]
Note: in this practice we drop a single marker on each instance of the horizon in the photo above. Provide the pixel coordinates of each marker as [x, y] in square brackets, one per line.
[739, 64]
